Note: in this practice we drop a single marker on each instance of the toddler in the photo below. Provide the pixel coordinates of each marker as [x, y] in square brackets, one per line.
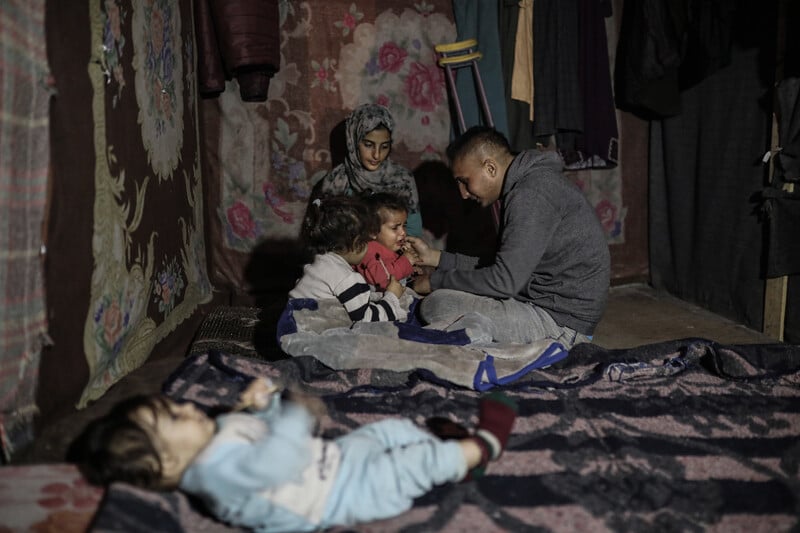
[265, 470]
[386, 255]
[337, 230]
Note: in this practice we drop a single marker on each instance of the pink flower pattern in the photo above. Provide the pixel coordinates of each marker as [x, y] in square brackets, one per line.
[112, 323]
[391, 57]
[78, 493]
[607, 214]
[424, 86]
[46, 498]
[240, 220]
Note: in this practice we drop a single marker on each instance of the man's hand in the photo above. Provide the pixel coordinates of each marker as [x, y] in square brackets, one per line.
[410, 254]
[427, 256]
[422, 284]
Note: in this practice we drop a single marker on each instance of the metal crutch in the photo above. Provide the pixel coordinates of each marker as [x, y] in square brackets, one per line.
[452, 56]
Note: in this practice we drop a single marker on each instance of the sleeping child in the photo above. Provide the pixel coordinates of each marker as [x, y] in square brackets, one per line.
[266, 470]
[386, 256]
[337, 230]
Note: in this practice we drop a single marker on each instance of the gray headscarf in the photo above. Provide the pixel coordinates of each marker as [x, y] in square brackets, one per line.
[351, 176]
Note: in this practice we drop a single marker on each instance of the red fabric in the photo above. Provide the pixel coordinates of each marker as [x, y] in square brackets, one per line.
[46, 497]
[496, 415]
[371, 268]
[210, 70]
[237, 38]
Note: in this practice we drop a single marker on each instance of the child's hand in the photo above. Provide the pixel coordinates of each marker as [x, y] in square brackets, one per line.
[422, 284]
[395, 287]
[422, 269]
[257, 395]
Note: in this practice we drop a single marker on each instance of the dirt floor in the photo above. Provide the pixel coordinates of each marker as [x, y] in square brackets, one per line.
[636, 315]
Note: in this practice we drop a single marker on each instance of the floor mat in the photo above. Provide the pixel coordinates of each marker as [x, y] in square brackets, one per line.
[676, 436]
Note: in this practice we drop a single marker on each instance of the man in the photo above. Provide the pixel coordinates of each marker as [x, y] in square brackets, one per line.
[549, 277]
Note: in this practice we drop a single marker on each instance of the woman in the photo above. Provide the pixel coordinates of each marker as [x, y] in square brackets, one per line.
[367, 167]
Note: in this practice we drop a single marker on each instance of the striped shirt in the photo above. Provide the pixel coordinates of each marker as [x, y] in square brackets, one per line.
[330, 276]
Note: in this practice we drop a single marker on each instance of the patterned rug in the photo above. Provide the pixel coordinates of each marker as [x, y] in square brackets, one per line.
[686, 435]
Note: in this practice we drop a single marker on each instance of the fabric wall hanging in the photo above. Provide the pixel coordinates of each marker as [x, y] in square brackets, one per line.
[148, 239]
[24, 152]
[264, 158]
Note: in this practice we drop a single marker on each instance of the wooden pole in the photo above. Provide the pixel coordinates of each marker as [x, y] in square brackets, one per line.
[776, 289]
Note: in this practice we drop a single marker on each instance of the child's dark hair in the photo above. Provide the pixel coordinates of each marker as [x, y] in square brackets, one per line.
[386, 200]
[116, 447]
[339, 224]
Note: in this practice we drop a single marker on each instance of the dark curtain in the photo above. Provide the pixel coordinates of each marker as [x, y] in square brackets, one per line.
[706, 236]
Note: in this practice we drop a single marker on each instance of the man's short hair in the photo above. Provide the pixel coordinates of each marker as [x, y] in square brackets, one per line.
[475, 138]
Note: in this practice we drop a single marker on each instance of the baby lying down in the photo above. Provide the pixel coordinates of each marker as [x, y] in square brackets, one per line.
[261, 466]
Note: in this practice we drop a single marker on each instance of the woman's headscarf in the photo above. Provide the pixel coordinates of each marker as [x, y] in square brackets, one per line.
[351, 176]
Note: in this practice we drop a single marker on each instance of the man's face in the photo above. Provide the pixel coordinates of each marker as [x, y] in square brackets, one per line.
[393, 229]
[477, 178]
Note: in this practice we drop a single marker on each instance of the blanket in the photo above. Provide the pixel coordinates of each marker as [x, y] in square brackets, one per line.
[686, 435]
[461, 353]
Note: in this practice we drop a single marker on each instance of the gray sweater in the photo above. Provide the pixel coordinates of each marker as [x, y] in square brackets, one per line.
[552, 250]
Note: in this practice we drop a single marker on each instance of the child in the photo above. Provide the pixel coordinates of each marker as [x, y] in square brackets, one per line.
[337, 229]
[383, 259]
[265, 470]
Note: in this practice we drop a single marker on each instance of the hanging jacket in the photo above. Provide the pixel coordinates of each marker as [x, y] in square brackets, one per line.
[237, 39]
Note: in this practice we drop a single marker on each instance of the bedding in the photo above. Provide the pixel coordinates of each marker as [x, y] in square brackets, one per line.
[682, 435]
[46, 497]
[462, 354]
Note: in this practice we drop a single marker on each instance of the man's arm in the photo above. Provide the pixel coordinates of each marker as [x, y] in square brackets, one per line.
[528, 227]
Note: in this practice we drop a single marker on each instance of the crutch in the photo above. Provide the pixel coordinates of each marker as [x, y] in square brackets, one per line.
[452, 56]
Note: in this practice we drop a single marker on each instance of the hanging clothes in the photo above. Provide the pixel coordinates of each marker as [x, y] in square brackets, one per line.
[558, 105]
[666, 47]
[571, 98]
[519, 111]
[597, 145]
[522, 87]
[477, 19]
[237, 38]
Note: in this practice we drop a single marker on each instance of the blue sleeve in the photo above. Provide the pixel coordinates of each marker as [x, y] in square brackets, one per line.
[240, 467]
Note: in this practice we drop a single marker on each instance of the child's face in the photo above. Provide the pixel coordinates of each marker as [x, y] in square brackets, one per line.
[179, 432]
[354, 257]
[374, 148]
[393, 229]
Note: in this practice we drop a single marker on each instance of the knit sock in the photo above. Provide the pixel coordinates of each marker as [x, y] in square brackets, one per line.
[495, 420]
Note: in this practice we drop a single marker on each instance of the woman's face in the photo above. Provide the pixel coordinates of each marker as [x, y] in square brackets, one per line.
[374, 148]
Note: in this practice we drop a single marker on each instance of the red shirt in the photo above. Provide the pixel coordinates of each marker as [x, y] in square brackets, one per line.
[373, 271]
